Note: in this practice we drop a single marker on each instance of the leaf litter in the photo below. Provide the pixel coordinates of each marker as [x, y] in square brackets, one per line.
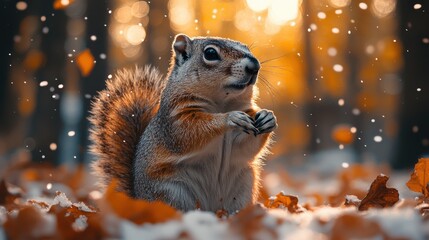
[72, 210]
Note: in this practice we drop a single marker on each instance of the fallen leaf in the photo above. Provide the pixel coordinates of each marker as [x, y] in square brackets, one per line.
[248, 223]
[30, 223]
[7, 197]
[284, 201]
[379, 196]
[136, 210]
[419, 179]
[85, 62]
[67, 216]
[41, 205]
[353, 226]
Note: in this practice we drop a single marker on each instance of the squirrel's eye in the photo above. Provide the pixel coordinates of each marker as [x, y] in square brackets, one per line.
[210, 54]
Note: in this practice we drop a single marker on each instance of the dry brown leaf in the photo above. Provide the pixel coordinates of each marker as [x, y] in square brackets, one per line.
[39, 204]
[352, 226]
[284, 201]
[419, 179]
[7, 198]
[85, 62]
[379, 196]
[30, 223]
[135, 210]
[62, 4]
[66, 217]
[248, 222]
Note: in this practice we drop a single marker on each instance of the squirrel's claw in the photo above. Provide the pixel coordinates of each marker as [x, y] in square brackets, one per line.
[265, 121]
[242, 120]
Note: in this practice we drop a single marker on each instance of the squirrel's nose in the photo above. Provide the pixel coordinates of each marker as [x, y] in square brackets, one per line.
[253, 66]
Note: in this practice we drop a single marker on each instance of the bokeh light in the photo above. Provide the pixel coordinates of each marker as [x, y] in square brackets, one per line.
[382, 8]
[135, 34]
[258, 5]
[280, 11]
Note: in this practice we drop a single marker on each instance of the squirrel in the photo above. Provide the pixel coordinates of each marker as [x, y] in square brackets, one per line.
[194, 139]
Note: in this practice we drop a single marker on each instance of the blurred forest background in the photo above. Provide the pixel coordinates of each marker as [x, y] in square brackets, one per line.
[347, 79]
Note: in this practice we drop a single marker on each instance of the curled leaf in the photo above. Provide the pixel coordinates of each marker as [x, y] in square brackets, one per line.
[135, 210]
[379, 196]
[284, 201]
[419, 179]
[353, 226]
[249, 222]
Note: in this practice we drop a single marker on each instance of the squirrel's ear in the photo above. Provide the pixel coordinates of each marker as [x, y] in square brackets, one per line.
[182, 48]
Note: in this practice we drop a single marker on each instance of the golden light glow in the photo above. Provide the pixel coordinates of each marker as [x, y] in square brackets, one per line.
[258, 5]
[123, 14]
[243, 20]
[135, 34]
[339, 3]
[271, 28]
[132, 51]
[280, 11]
[140, 9]
[181, 13]
[382, 8]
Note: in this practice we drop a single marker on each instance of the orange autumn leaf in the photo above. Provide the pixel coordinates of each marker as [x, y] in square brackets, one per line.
[248, 222]
[135, 210]
[419, 180]
[29, 223]
[7, 197]
[85, 62]
[62, 4]
[352, 226]
[284, 201]
[342, 134]
[379, 196]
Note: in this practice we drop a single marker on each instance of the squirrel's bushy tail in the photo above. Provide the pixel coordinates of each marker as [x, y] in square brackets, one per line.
[119, 116]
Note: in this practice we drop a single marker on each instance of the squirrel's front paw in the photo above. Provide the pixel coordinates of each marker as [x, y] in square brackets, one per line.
[243, 121]
[265, 121]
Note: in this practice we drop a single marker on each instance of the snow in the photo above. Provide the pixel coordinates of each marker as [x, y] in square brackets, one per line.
[401, 223]
[196, 224]
[83, 207]
[80, 224]
[417, 6]
[48, 228]
[363, 6]
[338, 68]
[321, 15]
[62, 199]
[204, 225]
[378, 138]
[169, 230]
[3, 214]
[2, 234]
